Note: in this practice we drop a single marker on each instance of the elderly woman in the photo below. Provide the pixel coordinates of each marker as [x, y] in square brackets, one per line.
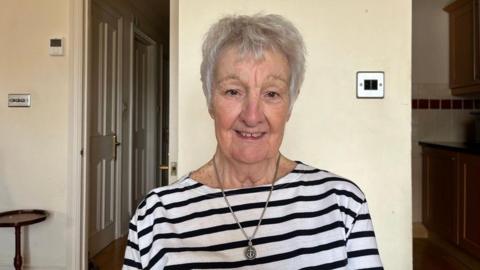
[250, 207]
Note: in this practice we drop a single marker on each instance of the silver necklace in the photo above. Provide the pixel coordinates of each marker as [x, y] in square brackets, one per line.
[250, 251]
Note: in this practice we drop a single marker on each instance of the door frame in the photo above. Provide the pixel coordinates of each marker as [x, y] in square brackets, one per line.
[77, 218]
[77, 258]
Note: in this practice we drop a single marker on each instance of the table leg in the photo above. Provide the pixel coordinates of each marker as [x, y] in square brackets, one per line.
[17, 261]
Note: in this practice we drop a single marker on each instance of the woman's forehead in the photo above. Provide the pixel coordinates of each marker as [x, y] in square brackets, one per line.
[234, 65]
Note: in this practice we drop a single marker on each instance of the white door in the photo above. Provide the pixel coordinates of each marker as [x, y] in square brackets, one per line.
[103, 125]
[140, 111]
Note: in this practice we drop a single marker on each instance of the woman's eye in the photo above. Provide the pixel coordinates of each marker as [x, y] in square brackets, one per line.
[232, 92]
[272, 94]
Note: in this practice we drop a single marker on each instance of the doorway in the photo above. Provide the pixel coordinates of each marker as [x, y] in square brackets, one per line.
[126, 115]
[143, 114]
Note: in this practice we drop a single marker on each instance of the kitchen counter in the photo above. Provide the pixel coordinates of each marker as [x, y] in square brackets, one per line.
[464, 147]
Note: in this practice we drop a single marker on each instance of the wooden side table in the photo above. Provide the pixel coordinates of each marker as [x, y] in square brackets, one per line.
[17, 219]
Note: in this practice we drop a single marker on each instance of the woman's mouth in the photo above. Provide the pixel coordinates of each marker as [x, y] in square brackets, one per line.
[250, 135]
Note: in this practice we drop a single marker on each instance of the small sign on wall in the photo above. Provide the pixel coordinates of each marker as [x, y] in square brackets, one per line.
[19, 100]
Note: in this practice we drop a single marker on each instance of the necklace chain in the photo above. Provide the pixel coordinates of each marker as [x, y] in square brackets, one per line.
[250, 252]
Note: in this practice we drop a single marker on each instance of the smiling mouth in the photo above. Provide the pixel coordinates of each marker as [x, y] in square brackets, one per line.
[250, 135]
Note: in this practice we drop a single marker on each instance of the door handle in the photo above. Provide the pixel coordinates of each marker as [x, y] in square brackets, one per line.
[115, 143]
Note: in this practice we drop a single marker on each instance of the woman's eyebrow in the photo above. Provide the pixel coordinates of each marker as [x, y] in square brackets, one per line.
[274, 77]
[278, 78]
[229, 77]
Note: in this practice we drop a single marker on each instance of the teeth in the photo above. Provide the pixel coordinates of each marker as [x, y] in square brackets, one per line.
[250, 135]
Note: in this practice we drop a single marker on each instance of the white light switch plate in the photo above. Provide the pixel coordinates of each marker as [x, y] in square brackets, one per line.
[19, 100]
[370, 84]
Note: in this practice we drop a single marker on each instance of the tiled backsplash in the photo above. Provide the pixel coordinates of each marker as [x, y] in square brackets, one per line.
[446, 104]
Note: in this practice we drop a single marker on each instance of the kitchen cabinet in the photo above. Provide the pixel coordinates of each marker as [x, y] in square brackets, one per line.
[440, 214]
[469, 169]
[464, 46]
[451, 195]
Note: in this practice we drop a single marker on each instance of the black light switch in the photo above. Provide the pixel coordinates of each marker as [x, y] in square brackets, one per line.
[368, 84]
[371, 85]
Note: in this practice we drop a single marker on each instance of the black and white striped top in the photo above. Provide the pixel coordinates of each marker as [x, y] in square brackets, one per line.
[315, 220]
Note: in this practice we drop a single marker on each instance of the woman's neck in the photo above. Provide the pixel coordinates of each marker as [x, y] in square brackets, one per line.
[234, 174]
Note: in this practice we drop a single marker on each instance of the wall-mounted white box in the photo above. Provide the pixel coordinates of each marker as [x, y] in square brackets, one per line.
[370, 84]
[56, 47]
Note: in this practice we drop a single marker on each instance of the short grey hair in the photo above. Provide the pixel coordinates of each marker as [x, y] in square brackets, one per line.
[253, 35]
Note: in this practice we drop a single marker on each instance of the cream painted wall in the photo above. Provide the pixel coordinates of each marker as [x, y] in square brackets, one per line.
[367, 141]
[34, 141]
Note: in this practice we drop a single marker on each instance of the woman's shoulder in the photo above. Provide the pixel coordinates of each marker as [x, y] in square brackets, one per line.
[324, 179]
[161, 196]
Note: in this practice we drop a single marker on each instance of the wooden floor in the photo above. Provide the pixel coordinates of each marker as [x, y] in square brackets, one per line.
[111, 257]
[428, 254]
[434, 254]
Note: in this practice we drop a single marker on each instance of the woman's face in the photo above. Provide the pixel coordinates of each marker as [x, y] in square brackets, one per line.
[250, 104]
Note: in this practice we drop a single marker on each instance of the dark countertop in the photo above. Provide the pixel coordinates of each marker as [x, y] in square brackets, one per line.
[465, 147]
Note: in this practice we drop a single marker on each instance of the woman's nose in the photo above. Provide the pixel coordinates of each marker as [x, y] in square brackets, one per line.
[252, 111]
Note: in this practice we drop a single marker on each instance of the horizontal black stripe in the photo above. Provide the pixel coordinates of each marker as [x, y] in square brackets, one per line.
[327, 266]
[256, 241]
[257, 261]
[362, 252]
[359, 217]
[307, 171]
[167, 192]
[242, 207]
[234, 226]
[246, 191]
[372, 268]
[132, 245]
[131, 263]
[363, 217]
[179, 204]
[132, 227]
[361, 234]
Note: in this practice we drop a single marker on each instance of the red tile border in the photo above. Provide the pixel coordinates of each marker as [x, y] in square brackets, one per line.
[446, 104]
[457, 104]
[477, 104]
[423, 103]
[468, 104]
[434, 104]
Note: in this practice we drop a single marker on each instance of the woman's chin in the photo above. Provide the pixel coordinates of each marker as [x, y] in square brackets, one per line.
[251, 157]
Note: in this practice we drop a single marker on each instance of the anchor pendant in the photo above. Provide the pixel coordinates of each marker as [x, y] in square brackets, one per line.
[250, 252]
